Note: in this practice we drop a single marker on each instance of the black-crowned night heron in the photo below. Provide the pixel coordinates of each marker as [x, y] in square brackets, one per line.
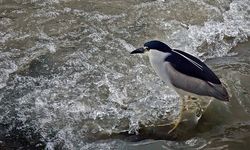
[185, 72]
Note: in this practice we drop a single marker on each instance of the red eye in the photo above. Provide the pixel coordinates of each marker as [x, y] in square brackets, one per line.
[146, 48]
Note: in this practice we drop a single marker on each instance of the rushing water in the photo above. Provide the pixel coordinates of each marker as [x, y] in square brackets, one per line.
[67, 80]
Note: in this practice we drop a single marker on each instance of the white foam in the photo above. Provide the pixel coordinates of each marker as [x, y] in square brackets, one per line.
[95, 86]
[235, 25]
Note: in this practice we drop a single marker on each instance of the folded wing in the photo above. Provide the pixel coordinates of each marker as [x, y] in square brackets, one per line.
[190, 74]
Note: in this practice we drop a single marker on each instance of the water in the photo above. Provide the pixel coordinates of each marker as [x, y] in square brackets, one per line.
[67, 80]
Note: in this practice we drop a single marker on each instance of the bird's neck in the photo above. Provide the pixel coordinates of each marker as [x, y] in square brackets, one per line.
[156, 59]
[157, 56]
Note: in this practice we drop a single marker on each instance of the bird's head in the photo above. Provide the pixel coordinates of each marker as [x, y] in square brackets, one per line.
[153, 45]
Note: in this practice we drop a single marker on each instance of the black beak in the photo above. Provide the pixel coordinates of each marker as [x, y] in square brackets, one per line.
[139, 50]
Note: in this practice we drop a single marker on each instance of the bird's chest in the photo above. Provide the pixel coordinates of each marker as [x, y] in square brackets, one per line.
[157, 60]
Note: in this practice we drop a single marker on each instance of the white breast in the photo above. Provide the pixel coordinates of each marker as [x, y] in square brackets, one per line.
[156, 59]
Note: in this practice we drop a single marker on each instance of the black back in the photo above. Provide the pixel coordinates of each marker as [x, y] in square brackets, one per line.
[185, 66]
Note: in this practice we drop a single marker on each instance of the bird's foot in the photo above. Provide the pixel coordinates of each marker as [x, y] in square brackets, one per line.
[178, 120]
[176, 123]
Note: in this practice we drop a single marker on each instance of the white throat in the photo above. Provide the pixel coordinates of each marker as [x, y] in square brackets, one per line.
[156, 59]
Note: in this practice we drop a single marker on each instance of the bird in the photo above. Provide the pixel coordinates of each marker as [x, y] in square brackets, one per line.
[184, 72]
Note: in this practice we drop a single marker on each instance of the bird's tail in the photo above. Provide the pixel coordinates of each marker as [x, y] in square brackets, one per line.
[219, 91]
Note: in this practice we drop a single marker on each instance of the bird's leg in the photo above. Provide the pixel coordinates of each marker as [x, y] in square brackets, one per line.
[178, 120]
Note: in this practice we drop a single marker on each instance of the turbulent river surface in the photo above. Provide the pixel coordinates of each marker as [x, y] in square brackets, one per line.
[67, 80]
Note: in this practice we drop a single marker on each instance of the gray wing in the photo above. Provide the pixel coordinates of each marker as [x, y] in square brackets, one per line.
[195, 85]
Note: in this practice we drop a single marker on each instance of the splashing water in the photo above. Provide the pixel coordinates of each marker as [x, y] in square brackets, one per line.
[67, 79]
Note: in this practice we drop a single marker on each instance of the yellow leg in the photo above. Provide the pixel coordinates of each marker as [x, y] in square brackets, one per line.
[178, 120]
